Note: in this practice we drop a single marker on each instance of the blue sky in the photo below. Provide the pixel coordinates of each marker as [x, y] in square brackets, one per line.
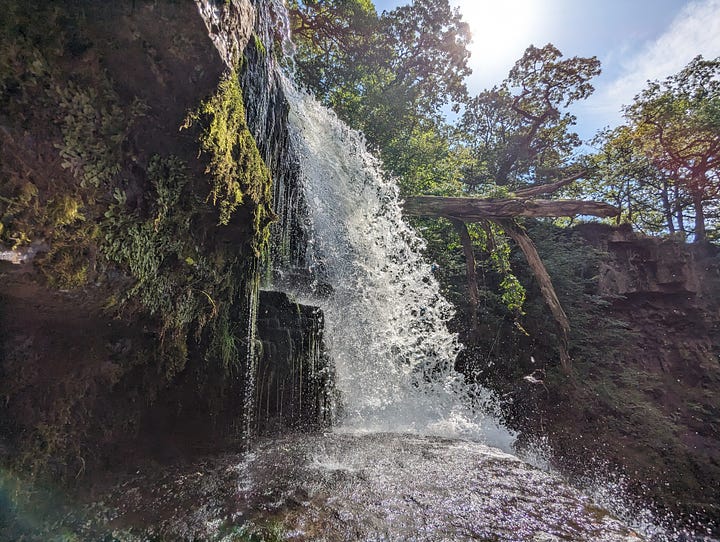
[635, 40]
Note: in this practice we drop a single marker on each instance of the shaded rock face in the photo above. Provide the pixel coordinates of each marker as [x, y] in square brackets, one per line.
[76, 378]
[649, 406]
[669, 292]
[267, 120]
[84, 384]
[655, 266]
[294, 380]
[641, 403]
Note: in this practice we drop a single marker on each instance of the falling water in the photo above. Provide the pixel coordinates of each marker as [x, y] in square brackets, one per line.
[385, 317]
[361, 263]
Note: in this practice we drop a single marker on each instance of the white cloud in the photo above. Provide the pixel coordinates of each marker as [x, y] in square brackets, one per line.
[695, 30]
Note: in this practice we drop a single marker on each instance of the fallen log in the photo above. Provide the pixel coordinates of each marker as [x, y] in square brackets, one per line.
[477, 209]
[520, 236]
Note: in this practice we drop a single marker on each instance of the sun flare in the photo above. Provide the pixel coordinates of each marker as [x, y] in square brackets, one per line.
[501, 30]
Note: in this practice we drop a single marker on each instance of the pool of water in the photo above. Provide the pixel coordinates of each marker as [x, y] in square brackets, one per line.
[403, 487]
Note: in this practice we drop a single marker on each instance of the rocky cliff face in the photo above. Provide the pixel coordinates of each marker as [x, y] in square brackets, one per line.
[642, 401]
[640, 265]
[128, 317]
[668, 292]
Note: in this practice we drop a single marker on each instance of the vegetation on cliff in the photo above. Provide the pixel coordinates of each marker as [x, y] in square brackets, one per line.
[116, 208]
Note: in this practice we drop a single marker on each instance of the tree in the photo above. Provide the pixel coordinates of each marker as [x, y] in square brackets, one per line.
[519, 140]
[677, 125]
[503, 213]
[519, 131]
[622, 175]
[389, 75]
[430, 45]
[335, 42]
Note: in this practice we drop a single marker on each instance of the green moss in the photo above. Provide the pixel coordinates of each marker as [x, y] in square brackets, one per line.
[259, 45]
[191, 288]
[52, 196]
[236, 169]
[65, 210]
[155, 251]
[93, 129]
[65, 267]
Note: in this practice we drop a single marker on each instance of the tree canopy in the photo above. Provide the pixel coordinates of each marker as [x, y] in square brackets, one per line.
[383, 74]
[676, 124]
[520, 131]
[396, 75]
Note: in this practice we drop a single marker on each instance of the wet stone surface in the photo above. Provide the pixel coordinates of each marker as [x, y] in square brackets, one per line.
[342, 487]
[400, 487]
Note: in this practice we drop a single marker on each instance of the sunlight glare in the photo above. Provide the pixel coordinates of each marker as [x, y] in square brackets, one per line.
[501, 31]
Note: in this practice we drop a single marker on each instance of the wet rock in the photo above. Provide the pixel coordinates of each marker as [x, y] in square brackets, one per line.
[230, 25]
[294, 376]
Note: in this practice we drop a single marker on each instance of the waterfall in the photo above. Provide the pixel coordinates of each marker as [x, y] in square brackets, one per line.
[341, 244]
[385, 319]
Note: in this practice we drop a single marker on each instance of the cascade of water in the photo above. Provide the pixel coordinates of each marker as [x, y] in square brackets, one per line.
[385, 317]
[341, 244]
[360, 262]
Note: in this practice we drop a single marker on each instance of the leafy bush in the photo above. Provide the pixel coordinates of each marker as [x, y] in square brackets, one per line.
[175, 279]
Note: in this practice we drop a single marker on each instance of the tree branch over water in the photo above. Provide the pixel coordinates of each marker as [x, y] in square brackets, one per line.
[477, 209]
[504, 212]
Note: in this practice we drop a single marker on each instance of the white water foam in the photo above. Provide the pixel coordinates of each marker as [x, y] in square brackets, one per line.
[385, 318]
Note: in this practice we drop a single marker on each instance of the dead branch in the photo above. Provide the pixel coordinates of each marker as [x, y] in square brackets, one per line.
[477, 209]
[520, 236]
[539, 190]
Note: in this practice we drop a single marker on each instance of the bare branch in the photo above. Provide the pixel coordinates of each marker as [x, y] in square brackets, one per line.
[473, 292]
[546, 288]
[535, 191]
[477, 209]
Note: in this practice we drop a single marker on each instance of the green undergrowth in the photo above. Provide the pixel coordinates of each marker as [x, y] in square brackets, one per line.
[518, 343]
[176, 279]
[74, 125]
[147, 236]
[236, 168]
[77, 204]
[192, 286]
[500, 289]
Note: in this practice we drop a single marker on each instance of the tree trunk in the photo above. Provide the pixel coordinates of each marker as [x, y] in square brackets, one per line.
[470, 270]
[679, 211]
[504, 212]
[619, 204]
[546, 288]
[667, 210]
[477, 209]
[539, 190]
[700, 233]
